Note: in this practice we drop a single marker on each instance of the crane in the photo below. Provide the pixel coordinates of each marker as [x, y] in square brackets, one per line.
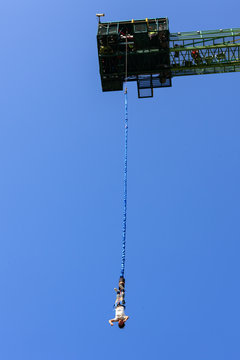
[154, 56]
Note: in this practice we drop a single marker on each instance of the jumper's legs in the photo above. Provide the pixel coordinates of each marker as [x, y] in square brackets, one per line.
[121, 292]
[121, 283]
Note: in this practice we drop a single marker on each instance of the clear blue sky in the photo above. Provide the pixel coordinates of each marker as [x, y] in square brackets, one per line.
[61, 187]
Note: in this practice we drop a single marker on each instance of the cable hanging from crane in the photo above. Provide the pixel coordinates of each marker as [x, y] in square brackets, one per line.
[125, 175]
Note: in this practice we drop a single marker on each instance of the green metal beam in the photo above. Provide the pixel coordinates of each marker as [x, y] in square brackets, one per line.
[205, 52]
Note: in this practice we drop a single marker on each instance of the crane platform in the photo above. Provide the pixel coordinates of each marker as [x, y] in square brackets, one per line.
[154, 56]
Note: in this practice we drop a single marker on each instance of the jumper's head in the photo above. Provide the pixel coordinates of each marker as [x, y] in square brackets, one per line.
[121, 324]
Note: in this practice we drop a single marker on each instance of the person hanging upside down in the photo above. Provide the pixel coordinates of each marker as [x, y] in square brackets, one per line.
[120, 316]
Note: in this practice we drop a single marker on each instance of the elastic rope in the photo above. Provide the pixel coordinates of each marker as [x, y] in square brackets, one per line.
[125, 188]
[125, 176]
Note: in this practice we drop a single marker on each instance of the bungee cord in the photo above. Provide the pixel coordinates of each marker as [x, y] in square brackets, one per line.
[125, 173]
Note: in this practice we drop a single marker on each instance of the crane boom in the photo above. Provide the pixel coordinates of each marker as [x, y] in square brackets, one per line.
[205, 52]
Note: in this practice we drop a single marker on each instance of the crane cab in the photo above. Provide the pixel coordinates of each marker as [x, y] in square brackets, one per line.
[137, 50]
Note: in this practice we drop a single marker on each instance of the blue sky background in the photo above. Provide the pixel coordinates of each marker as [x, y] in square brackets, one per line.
[61, 193]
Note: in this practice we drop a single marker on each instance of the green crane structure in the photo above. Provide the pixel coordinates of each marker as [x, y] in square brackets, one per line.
[146, 52]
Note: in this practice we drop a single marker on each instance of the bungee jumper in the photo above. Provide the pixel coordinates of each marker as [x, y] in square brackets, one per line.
[119, 305]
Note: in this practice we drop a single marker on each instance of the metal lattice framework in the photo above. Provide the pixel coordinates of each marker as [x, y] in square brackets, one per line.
[205, 52]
